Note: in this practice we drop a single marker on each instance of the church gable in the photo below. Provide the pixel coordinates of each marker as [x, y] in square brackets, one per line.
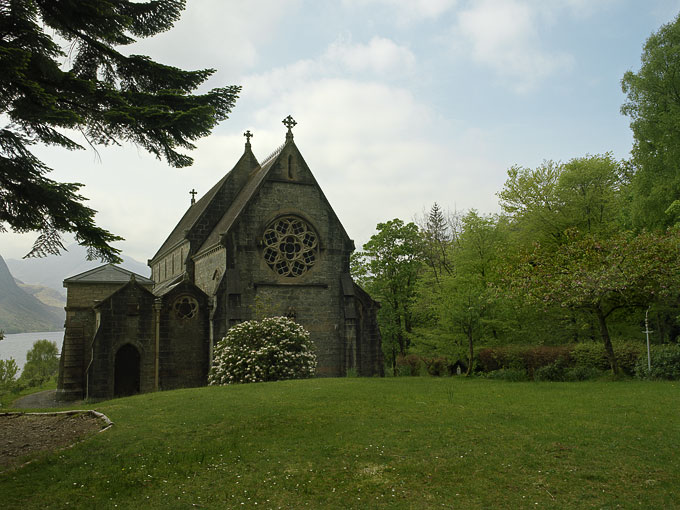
[200, 219]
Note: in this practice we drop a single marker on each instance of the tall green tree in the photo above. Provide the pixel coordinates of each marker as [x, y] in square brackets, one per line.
[388, 266]
[437, 235]
[49, 93]
[583, 194]
[466, 303]
[653, 105]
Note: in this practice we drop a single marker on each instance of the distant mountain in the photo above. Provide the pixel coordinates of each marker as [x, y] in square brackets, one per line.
[20, 312]
[47, 295]
[53, 270]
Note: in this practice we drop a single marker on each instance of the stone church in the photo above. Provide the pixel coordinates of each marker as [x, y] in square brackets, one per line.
[264, 240]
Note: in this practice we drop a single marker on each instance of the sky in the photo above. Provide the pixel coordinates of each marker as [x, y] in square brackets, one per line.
[399, 103]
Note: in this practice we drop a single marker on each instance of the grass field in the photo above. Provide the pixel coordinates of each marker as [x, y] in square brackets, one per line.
[372, 443]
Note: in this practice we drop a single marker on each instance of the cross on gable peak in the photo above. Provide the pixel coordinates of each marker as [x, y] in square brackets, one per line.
[248, 136]
[193, 194]
[290, 123]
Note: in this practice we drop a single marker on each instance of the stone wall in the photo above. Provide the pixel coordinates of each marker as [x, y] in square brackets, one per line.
[209, 269]
[171, 265]
[315, 298]
[184, 338]
[127, 318]
[80, 327]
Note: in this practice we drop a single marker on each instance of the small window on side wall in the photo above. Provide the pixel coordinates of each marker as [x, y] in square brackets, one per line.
[185, 307]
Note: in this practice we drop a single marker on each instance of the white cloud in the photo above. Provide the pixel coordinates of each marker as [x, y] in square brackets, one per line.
[214, 34]
[504, 35]
[407, 11]
[380, 55]
[373, 147]
[377, 58]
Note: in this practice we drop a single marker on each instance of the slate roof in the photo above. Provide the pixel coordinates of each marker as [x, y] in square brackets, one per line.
[165, 287]
[108, 273]
[239, 203]
[191, 217]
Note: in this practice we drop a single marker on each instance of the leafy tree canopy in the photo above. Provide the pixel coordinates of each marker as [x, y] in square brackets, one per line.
[653, 105]
[582, 194]
[601, 275]
[49, 92]
[389, 267]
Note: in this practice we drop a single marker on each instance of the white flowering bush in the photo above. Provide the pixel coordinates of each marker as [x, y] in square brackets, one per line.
[270, 349]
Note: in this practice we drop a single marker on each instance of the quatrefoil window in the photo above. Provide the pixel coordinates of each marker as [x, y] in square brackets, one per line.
[185, 307]
[291, 246]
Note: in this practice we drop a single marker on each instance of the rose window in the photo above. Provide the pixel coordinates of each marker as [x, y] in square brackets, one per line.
[291, 246]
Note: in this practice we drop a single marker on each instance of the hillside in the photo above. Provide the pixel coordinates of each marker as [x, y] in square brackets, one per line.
[53, 270]
[363, 443]
[47, 295]
[20, 312]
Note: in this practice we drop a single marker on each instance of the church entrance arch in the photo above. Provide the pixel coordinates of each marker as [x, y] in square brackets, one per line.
[126, 371]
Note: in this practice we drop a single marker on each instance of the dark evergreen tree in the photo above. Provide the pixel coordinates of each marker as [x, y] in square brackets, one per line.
[48, 92]
[437, 242]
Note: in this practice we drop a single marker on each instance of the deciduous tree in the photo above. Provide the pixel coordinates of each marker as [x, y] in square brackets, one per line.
[653, 105]
[391, 260]
[602, 275]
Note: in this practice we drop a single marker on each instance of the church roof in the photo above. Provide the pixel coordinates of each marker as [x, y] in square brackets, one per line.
[190, 217]
[107, 273]
[218, 193]
[230, 196]
[241, 201]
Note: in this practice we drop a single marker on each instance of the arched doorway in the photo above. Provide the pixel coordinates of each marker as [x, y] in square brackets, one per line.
[126, 371]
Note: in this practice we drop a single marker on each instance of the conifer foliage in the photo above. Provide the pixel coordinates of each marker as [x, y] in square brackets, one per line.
[49, 91]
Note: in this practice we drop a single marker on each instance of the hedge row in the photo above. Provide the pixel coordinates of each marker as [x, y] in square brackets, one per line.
[573, 362]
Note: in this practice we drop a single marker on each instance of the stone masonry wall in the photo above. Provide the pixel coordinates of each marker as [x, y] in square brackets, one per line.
[127, 317]
[208, 270]
[315, 298]
[184, 340]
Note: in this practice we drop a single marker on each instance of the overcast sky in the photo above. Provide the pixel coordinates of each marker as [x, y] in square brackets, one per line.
[399, 103]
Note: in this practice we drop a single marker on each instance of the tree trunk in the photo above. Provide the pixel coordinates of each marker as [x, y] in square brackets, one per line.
[471, 353]
[604, 332]
[394, 361]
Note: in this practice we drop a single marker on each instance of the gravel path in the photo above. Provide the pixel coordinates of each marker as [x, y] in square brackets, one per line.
[42, 399]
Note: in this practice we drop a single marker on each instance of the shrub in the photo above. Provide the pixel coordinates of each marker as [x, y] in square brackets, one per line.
[582, 373]
[589, 354]
[438, 366]
[628, 354]
[272, 349]
[42, 362]
[488, 360]
[409, 365]
[551, 358]
[527, 358]
[555, 371]
[508, 374]
[665, 363]
[8, 374]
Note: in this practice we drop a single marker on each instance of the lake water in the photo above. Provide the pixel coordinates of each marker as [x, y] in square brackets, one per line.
[16, 346]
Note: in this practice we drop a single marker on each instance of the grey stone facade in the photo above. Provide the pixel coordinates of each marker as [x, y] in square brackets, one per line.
[263, 241]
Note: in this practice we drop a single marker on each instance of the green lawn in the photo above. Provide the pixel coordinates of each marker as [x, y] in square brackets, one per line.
[372, 443]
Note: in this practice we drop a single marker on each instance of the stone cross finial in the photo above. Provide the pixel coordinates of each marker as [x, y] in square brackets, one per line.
[193, 196]
[289, 122]
[248, 136]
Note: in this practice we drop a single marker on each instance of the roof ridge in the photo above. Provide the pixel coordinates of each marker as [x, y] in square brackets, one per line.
[273, 155]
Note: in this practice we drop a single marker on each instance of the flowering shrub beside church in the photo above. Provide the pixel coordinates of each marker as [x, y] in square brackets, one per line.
[271, 349]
